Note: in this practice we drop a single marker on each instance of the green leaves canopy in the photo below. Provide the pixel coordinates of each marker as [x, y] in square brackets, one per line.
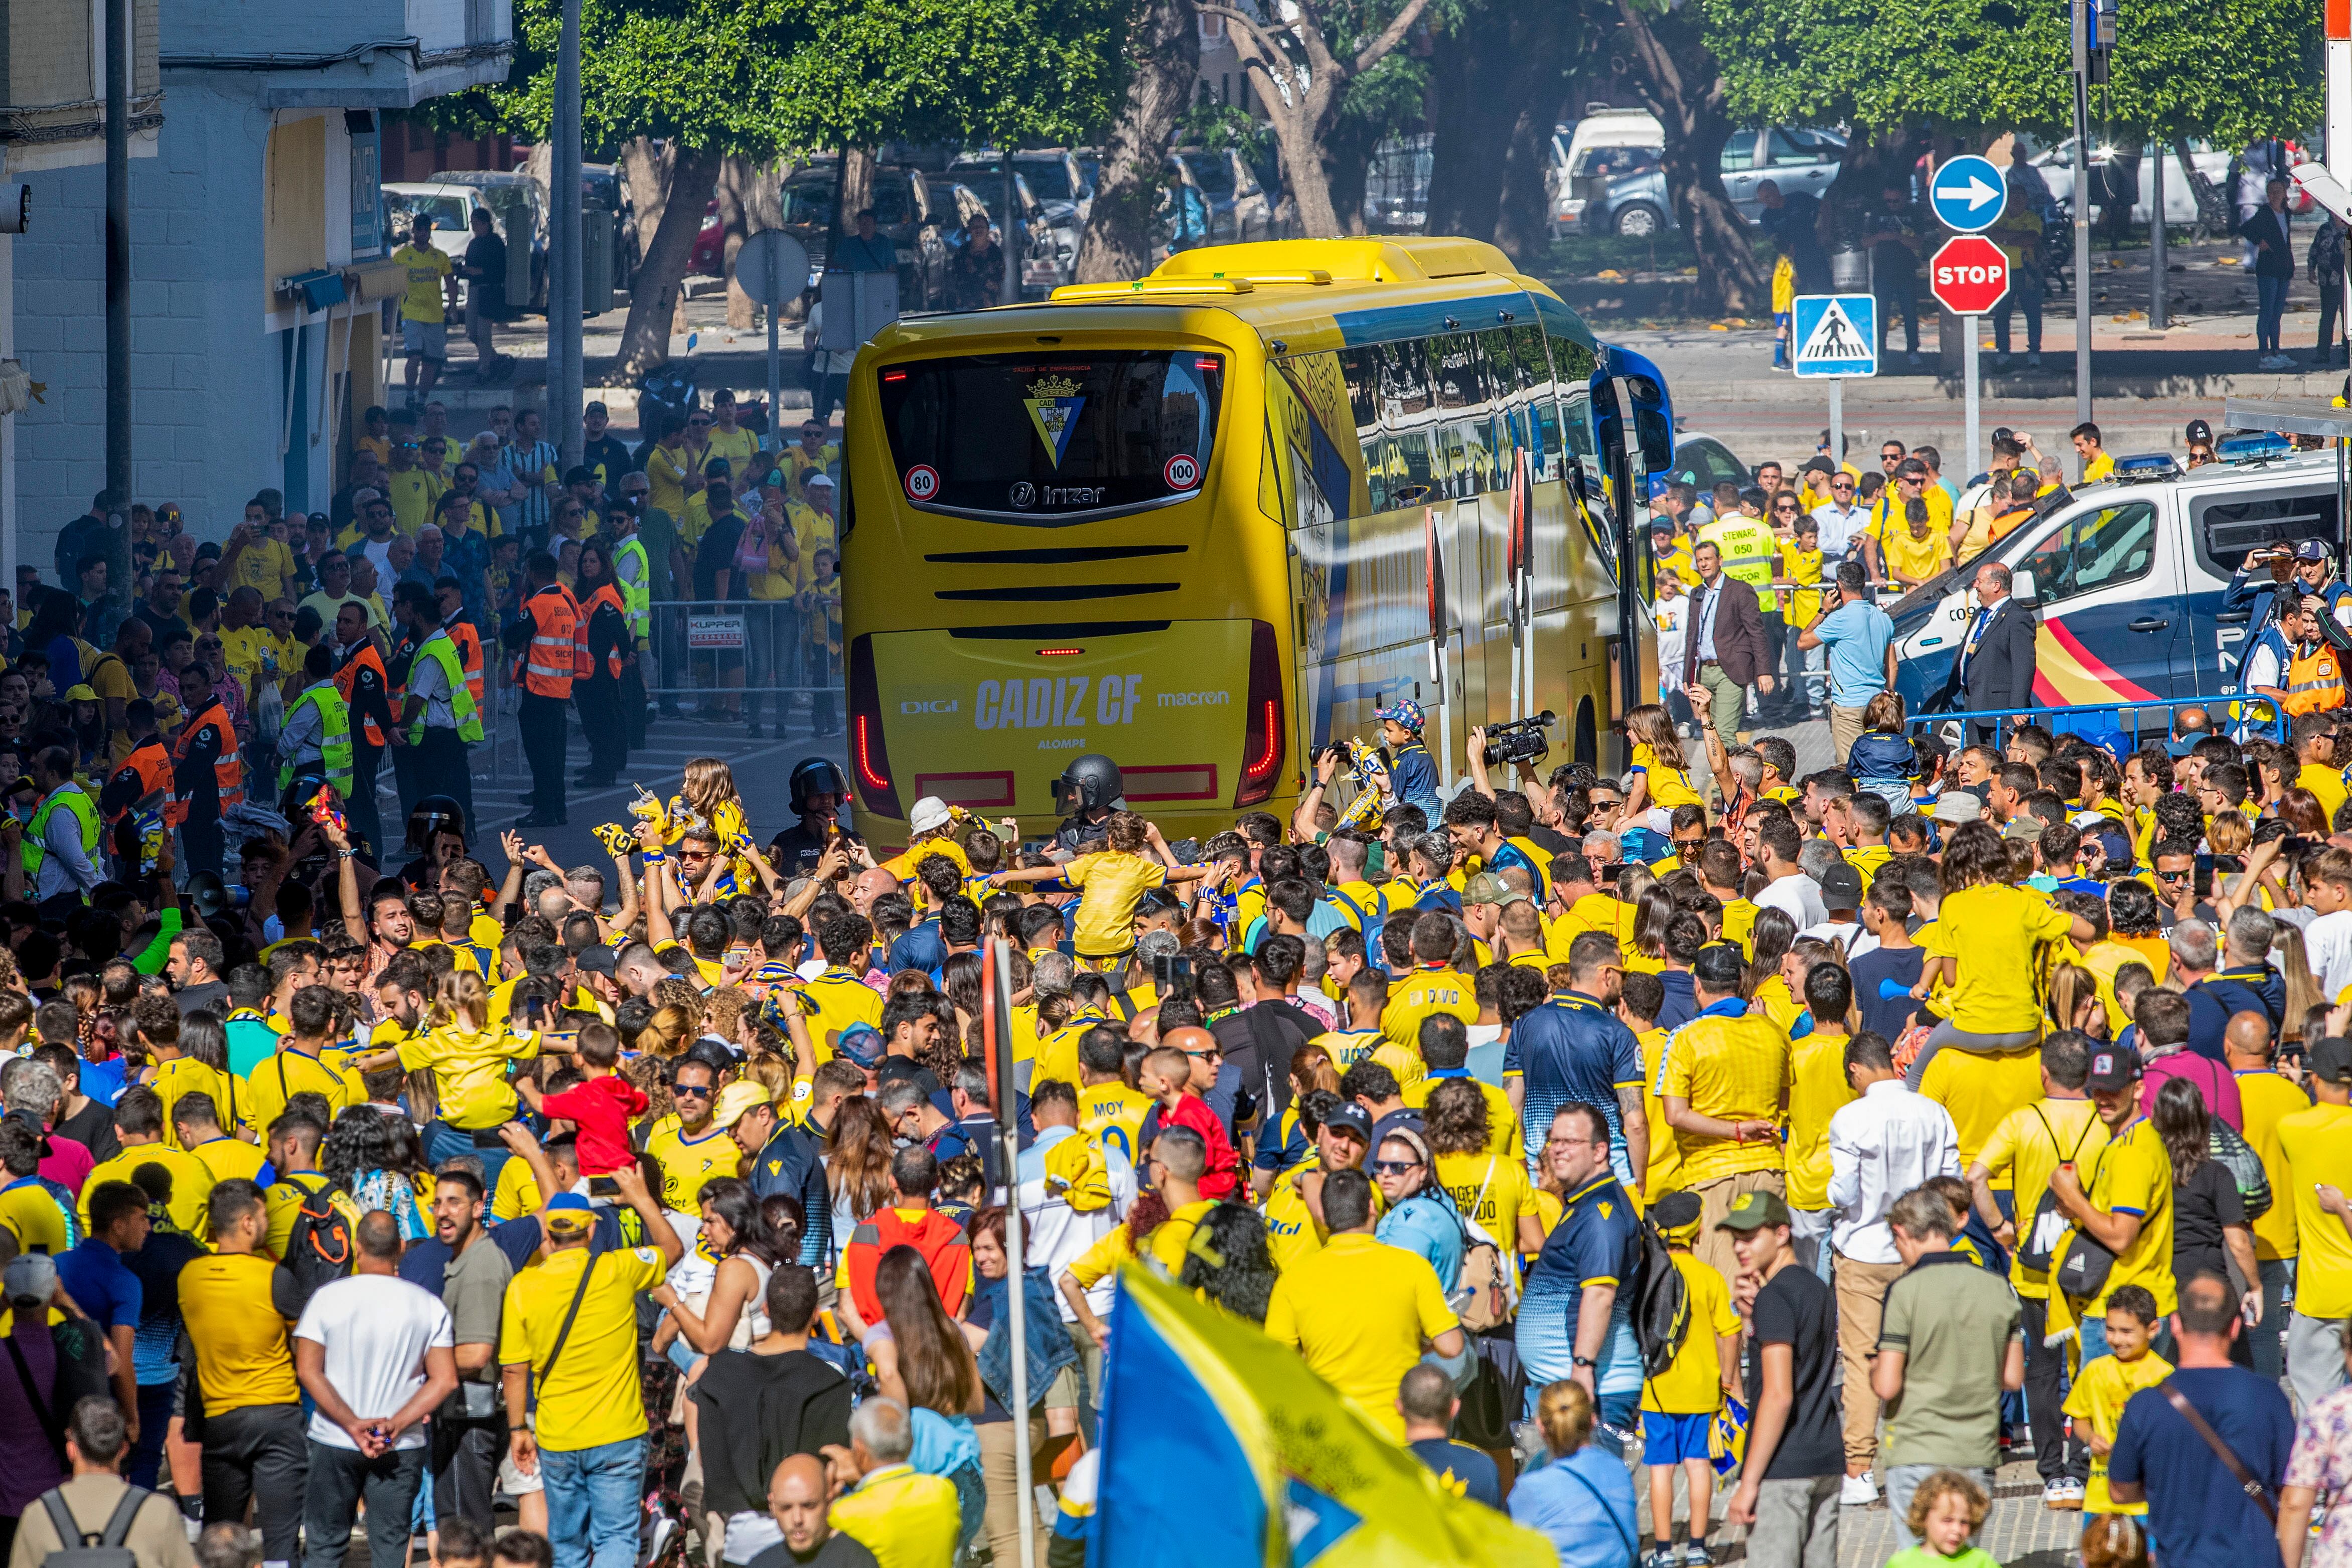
[2231, 72]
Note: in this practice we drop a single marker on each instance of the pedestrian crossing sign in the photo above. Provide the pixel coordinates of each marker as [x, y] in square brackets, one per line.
[1836, 335]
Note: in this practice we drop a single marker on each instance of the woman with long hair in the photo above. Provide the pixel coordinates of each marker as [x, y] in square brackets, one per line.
[2074, 1001]
[857, 1152]
[922, 1359]
[2210, 1228]
[1992, 936]
[1768, 941]
[1229, 1263]
[1650, 913]
[364, 1154]
[2134, 921]
[2292, 959]
[731, 1313]
[1052, 1398]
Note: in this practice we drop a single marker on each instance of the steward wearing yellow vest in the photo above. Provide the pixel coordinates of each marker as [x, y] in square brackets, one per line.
[438, 717]
[1751, 552]
[61, 843]
[317, 727]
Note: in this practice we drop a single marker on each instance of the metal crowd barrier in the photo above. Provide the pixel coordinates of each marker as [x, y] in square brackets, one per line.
[2124, 722]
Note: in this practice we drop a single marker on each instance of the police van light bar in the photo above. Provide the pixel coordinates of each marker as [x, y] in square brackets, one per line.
[2254, 447]
[2141, 467]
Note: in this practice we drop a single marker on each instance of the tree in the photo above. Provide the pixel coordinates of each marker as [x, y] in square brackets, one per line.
[1162, 57]
[698, 75]
[1681, 81]
[1299, 69]
[1496, 84]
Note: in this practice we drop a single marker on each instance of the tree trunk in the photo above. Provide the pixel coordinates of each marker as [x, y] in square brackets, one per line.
[1471, 118]
[644, 340]
[1523, 206]
[2212, 202]
[1347, 169]
[1681, 83]
[1164, 55]
[1302, 164]
[751, 198]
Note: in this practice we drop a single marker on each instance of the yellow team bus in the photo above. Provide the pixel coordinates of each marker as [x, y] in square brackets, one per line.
[1207, 522]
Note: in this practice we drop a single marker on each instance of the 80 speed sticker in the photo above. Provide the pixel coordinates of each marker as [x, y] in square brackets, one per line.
[922, 482]
[1183, 472]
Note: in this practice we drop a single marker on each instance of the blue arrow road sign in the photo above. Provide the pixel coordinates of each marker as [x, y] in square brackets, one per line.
[1967, 194]
[1836, 335]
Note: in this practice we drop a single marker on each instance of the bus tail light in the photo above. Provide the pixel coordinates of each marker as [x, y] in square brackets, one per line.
[869, 755]
[1262, 742]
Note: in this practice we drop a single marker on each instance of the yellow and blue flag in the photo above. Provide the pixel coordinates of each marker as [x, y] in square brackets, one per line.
[1298, 1476]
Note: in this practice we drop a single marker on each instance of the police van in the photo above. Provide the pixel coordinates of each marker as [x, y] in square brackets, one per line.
[2129, 577]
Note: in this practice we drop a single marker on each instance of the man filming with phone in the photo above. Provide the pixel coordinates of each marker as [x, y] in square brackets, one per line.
[1861, 642]
[2306, 569]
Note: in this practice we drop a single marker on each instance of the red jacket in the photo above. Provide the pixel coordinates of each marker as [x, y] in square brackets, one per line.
[941, 1241]
[1218, 1181]
[601, 1109]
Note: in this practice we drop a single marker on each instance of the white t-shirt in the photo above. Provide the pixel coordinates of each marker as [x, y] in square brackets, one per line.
[375, 1330]
[1798, 896]
[2327, 943]
[1055, 1235]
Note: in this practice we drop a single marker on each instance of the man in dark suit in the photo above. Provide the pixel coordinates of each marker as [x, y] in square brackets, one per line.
[1725, 652]
[1994, 673]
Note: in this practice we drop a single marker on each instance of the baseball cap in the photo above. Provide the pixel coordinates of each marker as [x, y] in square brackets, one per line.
[1403, 711]
[1754, 1211]
[1677, 1211]
[2023, 830]
[813, 480]
[861, 1042]
[2311, 550]
[564, 1211]
[1842, 888]
[738, 1098]
[2330, 1060]
[1486, 887]
[2115, 1068]
[710, 1051]
[1958, 807]
[597, 960]
[1351, 1118]
[2201, 430]
[930, 812]
[80, 693]
[30, 1277]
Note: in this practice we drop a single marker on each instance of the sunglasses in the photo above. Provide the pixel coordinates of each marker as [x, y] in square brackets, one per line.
[1394, 1167]
[1840, 483]
[2172, 875]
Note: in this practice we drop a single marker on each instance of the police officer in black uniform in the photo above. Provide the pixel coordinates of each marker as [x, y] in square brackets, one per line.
[1087, 792]
[819, 792]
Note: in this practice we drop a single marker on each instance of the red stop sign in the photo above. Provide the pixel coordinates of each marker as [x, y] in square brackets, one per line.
[1968, 274]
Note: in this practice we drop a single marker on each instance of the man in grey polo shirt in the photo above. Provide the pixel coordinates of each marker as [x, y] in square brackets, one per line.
[1861, 643]
[1948, 1346]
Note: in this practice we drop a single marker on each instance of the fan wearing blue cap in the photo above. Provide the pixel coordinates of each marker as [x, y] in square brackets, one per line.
[1412, 769]
[2306, 569]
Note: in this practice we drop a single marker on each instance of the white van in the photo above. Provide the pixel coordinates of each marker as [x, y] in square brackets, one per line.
[1575, 176]
[2128, 581]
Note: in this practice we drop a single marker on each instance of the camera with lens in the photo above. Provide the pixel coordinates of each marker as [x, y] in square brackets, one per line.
[1521, 740]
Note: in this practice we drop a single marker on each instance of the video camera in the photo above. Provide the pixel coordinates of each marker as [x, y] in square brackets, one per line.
[1521, 740]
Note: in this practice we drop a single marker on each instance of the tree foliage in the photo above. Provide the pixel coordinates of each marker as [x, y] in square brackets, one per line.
[2189, 67]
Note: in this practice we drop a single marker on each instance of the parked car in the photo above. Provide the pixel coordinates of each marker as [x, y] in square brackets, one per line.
[601, 185]
[913, 208]
[1239, 211]
[513, 201]
[1052, 172]
[1396, 185]
[1702, 462]
[2057, 167]
[1608, 179]
[2127, 580]
[1054, 203]
[1798, 159]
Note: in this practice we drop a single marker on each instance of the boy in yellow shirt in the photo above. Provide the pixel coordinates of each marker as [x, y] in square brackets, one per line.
[1679, 1404]
[2104, 1385]
[1110, 883]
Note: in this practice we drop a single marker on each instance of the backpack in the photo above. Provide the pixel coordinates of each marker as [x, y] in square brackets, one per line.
[2230, 1150]
[1373, 926]
[1484, 1298]
[79, 1548]
[320, 1247]
[2045, 1231]
[1662, 1307]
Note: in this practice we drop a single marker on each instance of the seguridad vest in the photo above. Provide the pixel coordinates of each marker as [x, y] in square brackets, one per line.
[151, 764]
[347, 680]
[553, 656]
[228, 768]
[443, 653]
[606, 594]
[470, 655]
[334, 737]
[2315, 680]
[83, 809]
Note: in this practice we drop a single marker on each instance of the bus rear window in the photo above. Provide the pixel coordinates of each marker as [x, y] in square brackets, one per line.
[1052, 438]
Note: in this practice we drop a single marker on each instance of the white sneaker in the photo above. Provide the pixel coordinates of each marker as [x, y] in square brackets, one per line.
[1859, 1491]
[2062, 1493]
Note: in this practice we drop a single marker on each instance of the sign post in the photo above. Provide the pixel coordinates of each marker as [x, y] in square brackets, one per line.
[1968, 277]
[771, 267]
[1836, 336]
